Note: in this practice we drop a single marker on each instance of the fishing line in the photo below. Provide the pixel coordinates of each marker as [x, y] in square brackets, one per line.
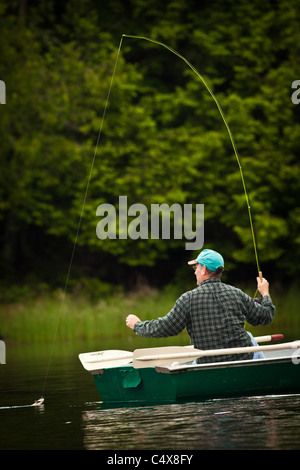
[227, 127]
[81, 214]
[93, 163]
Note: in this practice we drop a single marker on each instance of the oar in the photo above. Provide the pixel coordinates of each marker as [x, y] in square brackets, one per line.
[116, 358]
[266, 338]
[152, 357]
[105, 359]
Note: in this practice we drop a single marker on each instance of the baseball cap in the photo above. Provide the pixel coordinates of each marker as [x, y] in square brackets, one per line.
[210, 259]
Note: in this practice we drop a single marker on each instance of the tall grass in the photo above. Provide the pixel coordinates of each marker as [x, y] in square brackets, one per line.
[72, 317]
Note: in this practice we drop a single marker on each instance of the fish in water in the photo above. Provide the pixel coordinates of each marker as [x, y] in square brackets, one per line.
[38, 402]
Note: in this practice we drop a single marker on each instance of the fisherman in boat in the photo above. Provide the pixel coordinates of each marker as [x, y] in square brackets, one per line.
[214, 313]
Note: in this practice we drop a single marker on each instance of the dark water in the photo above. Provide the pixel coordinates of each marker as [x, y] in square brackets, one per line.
[74, 418]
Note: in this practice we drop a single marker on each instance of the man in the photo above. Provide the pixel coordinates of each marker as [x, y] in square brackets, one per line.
[214, 313]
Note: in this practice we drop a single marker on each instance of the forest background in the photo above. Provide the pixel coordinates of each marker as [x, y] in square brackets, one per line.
[162, 139]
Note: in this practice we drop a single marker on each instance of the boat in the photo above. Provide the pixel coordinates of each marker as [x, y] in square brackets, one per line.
[170, 374]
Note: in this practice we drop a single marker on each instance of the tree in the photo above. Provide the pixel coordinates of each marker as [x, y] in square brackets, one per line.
[162, 137]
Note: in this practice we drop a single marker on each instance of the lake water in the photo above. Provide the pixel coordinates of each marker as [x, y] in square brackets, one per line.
[74, 418]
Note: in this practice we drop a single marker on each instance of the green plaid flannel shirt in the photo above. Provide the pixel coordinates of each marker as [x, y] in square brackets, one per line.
[214, 315]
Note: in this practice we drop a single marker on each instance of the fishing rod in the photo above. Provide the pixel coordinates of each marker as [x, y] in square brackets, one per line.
[41, 400]
[154, 41]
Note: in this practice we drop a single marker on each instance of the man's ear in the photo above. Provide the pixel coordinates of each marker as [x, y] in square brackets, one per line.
[203, 270]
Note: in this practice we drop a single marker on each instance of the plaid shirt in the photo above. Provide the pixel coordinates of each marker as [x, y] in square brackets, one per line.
[214, 315]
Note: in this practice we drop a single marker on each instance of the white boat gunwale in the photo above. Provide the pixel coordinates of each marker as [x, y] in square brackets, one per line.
[221, 365]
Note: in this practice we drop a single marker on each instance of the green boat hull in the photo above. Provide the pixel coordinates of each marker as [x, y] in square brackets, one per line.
[161, 385]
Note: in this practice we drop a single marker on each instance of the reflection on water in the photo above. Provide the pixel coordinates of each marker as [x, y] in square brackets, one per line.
[245, 423]
[74, 418]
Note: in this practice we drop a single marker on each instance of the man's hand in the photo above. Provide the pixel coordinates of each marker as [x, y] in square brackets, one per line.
[131, 321]
[262, 286]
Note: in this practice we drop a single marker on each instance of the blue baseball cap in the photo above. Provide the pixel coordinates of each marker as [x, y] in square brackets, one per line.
[211, 259]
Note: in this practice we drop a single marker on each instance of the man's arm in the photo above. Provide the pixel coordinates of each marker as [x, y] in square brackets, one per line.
[260, 313]
[169, 325]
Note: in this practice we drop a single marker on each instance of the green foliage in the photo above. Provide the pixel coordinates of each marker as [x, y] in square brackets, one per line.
[162, 139]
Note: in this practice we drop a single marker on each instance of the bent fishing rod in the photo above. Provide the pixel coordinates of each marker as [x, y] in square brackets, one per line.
[173, 51]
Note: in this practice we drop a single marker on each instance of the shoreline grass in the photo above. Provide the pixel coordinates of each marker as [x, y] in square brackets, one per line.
[53, 316]
[72, 317]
